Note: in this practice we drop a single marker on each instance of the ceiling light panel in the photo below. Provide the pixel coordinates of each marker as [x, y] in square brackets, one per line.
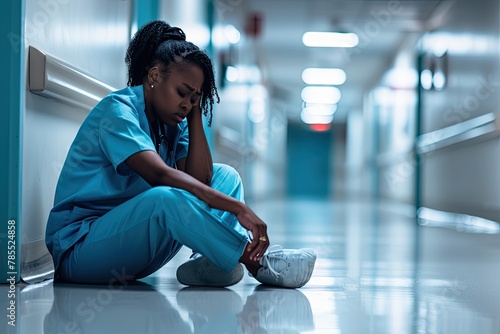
[321, 95]
[323, 76]
[330, 39]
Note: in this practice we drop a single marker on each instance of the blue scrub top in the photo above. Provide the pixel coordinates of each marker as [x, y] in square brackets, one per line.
[95, 177]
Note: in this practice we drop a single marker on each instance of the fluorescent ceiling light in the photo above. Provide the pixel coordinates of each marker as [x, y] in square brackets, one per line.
[401, 78]
[319, 109]
[196, 33]
[318, 113]
[244, 74]
[454, 43]
[439, 80]
[223, 36]
[232, 74]
[323, 76]
[321, 95]
[232, 34]
[316, 119]
[330, 39]
[426, 79]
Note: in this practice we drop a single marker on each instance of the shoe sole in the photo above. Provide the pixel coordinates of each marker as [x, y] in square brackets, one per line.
[202, 272]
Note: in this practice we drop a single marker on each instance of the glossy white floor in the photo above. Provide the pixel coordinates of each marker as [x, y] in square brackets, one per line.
[377, 272]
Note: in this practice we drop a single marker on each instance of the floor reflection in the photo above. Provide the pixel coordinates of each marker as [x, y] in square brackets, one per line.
[135, 308]
[269, 310]
[140, 308]
[378, 271]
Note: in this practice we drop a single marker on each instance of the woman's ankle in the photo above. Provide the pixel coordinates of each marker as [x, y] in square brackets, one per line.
[253, 268]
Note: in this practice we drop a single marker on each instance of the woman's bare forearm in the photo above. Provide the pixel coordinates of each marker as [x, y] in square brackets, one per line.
[152, 169]
[199, 163]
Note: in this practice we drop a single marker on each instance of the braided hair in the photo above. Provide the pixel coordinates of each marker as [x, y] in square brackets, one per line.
[159, 43]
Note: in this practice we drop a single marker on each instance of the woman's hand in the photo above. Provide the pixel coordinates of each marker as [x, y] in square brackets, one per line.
[194, 113]
[260, 242]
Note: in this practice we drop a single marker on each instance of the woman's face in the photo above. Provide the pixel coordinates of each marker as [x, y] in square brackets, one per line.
[174, 94]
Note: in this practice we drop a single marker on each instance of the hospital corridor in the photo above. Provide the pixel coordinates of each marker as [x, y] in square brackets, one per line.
[367, 131]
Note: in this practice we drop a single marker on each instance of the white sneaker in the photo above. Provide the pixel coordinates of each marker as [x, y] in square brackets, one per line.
[200, 271]
[288, 268]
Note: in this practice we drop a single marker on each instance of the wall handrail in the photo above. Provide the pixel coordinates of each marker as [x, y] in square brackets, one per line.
[54, 78]
[480, 126]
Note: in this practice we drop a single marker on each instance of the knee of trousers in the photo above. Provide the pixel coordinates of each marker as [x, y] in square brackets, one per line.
[228, 174]
[162, 201]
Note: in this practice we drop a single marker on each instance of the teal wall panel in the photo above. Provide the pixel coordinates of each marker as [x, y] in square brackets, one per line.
[145, 11]
[308, 162]
[12, 96]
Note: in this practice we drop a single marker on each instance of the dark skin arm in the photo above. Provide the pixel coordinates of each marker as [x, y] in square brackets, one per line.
[151, 167]
[198, 162]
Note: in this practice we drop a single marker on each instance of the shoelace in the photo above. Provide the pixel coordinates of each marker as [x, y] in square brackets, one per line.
[266, 263]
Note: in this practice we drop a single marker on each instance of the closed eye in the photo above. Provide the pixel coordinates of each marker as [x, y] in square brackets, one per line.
[181, 94]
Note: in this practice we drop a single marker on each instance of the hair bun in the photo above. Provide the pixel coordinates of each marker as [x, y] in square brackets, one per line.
[175, 34]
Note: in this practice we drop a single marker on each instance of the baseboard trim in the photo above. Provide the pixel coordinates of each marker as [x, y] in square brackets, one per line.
[36, 262]
[457, 221]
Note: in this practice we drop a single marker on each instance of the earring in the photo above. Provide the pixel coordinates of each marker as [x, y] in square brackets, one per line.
[152, 86]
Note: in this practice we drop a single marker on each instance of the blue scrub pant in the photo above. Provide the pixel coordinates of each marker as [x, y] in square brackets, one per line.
[141, 235]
